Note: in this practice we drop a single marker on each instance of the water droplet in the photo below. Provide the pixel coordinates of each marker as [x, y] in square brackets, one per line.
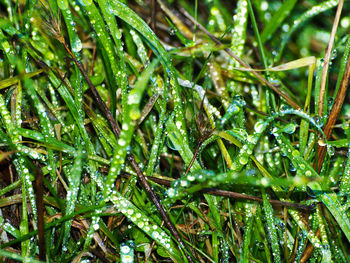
[330, 102]
[318, 121]
[125, 249]
[274, 53]
[334, 54]
[171, 192]
[295, 153]
[285, 28]
[291, 167]
[285, 107]
[134, 114]
[172, 31]
[243, 160]
[290, 128]
[330, 150]
[191, 178]
[259, 126]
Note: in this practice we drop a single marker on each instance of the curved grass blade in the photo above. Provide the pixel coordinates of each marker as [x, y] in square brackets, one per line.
[313, 11]
[46, 126]
[24, 225]
[47, 142]
[132, 113]
[345, 180]
[342, 68]
[299, 63]
[69, 101]
[9, 228]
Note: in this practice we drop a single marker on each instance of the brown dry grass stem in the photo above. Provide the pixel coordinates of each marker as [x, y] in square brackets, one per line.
[39, 194]
[327, 58]
[338, 103]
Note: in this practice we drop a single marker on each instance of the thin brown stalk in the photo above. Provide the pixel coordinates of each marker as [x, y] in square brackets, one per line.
[338, 103]
[153, 15]
[288, 99]
[327, 58]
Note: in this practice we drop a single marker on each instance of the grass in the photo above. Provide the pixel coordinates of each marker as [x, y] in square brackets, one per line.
[179, 131]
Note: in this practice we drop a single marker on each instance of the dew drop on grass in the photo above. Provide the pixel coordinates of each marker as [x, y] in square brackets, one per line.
[259, 126]
[172, 31]
[291, 168]
[135, 114]
[330, 102]
[264, 5]
[285, 107]
[330, 150]
[295, 153]
[318, 121]
[124, 249]
[155, 234]
[184, 183]
[191, 178]
[171, 192]
[334, 54]
[290, 128]
[77, 45]
[285, 28]
[243, 160]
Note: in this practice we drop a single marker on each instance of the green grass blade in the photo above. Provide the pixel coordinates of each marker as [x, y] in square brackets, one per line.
[313, 11]
[145, 224]
[277, 19]
[132, 113]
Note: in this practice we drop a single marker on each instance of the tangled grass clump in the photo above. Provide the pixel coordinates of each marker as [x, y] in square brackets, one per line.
[174, 131]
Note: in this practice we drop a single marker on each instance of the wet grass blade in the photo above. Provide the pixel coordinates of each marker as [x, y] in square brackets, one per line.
[132, 113]
[277, 19]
